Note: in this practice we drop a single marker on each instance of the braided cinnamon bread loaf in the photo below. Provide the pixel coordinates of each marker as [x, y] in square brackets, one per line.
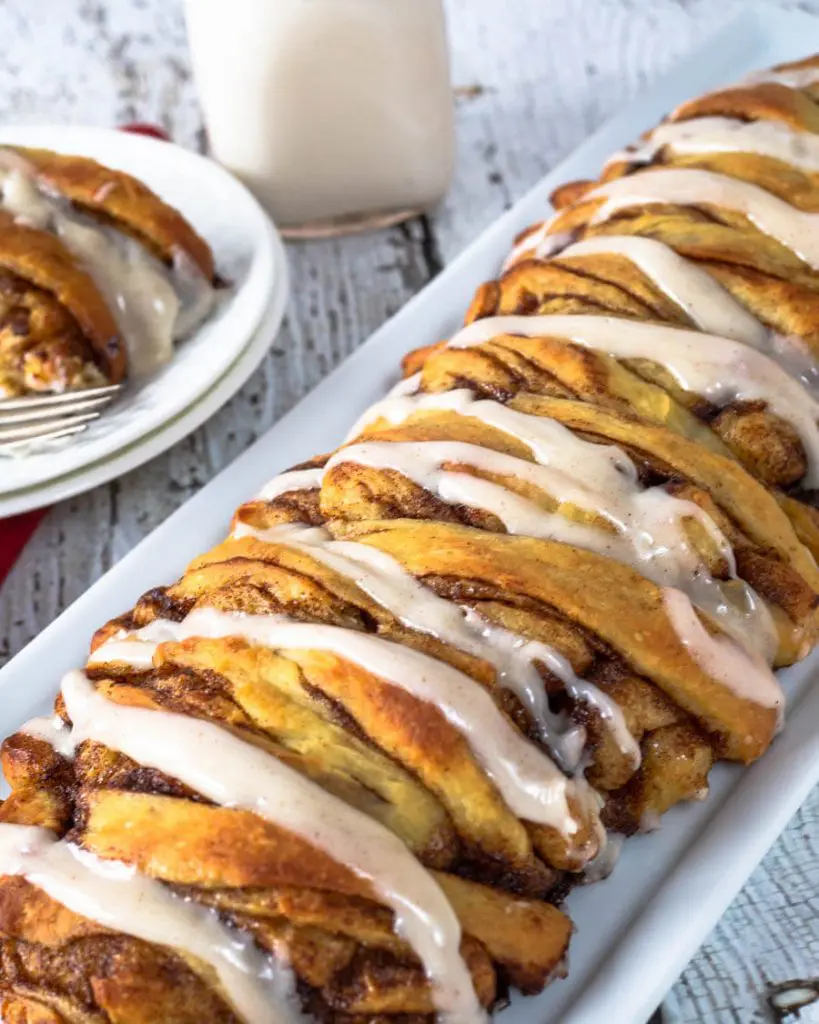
[349, 764]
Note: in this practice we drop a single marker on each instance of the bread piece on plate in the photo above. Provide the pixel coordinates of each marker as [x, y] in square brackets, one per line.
[56, 331]
[139, 257]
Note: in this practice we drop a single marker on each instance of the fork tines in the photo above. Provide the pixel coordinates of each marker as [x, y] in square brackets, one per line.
[49, 417]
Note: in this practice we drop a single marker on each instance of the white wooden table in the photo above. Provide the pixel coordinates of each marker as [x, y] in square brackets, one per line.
[548, 72]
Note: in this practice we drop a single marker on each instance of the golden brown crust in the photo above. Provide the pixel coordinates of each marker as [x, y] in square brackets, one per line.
[41, 347]
[125, 200]
[571, 581]
[58, 331]
[776, 286]
[770, 556]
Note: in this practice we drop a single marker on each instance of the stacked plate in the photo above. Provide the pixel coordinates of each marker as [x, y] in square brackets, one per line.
[208, 367]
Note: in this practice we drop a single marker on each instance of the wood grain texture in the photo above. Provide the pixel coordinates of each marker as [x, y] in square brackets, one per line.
[547, 74]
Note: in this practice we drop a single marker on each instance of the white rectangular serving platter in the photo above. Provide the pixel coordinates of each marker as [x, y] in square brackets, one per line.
[636, 931]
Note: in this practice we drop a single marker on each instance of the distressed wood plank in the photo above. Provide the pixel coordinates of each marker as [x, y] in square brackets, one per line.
[548, 75]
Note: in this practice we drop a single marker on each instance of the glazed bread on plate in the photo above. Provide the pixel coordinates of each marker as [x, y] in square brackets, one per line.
[57, 333]
[349, 765]
[100, 277]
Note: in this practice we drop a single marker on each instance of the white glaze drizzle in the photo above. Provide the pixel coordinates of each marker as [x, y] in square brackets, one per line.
[720, 658]
[538, 240]
[115, 896]
[792, 228]
[514, 657]
[649, 534]
[711, 307]
[519, 515]
[716, 368]
[422, 462]
[294, 480]
[233, 773]
[599, 478]
[405, 386]
[528, 780]
[701, 297]
[153, 305]
[53, 731]
[773, 139]
[793, 78]
[649, 523]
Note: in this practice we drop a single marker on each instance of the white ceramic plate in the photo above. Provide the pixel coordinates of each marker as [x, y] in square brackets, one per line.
[158, 441]
[637, 930]
[248, 253]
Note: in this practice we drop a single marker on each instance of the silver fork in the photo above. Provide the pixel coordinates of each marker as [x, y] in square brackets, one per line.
[49, 417]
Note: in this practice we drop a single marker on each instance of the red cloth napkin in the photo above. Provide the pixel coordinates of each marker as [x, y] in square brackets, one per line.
[14, 533]
[16, 530]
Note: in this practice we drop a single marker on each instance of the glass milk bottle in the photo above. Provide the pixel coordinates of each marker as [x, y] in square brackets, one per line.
[336, 113]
